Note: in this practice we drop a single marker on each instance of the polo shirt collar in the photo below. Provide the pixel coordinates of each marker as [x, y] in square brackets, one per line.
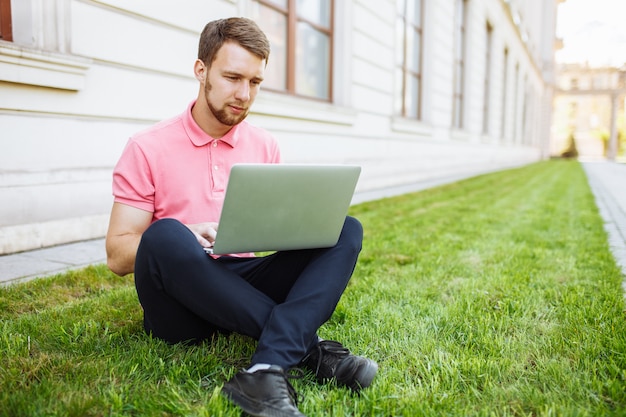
[199, 138]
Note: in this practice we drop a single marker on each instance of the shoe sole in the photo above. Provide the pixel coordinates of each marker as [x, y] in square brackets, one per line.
[250, 407]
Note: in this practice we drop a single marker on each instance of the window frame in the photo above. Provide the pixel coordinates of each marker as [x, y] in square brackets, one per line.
[292, 20]
[460, 55]
[6, 26]
[487, 81]
[505, 86]
[516, 104]
[417, 27]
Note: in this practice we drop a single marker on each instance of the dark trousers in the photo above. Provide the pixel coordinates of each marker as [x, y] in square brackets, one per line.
[280, 300]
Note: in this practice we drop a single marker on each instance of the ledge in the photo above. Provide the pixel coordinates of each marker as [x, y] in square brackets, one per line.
[34, 67]
[460, 135]
[415, 127]
[275, 104]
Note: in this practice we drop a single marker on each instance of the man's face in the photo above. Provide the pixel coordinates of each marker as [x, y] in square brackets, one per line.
[232, 83]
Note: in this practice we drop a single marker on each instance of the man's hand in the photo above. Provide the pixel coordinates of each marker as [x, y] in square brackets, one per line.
[205, 233]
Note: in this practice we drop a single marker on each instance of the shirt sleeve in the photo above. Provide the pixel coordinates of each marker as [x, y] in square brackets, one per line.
[133, 182]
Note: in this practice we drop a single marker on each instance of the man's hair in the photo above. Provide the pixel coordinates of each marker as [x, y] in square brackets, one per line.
[240, 30]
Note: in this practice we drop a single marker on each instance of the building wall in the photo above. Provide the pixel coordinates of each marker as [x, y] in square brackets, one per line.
[81, 76]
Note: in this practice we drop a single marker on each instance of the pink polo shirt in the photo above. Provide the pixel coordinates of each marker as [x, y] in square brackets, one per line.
[175, 170]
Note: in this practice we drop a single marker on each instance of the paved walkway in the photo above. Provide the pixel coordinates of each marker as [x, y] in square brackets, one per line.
[607, 180]
[608, 183]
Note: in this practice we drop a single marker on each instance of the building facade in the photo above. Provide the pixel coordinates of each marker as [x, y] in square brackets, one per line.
[589, 107]
[411, 90]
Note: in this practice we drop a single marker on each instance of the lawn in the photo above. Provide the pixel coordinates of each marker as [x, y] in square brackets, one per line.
[493, 296]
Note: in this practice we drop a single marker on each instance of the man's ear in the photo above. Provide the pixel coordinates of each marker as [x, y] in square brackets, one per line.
[200, 70]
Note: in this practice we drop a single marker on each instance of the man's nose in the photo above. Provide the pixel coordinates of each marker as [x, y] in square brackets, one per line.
[243, 92]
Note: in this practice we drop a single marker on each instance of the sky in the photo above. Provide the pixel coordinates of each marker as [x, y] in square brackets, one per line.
[593, 31]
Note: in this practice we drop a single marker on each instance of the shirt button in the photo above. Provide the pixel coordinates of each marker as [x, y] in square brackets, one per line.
[216, 167]
[215, 144]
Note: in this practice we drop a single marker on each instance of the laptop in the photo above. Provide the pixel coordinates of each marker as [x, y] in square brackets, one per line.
[273, 207]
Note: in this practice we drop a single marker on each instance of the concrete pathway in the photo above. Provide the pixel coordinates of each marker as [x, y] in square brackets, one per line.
[49, 261]
[608, 183]
[607, 180]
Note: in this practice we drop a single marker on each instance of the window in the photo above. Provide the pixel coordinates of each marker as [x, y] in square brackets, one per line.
[516, 82]
[505, 83]
[301, 35]
[487, 84]
[598, 82]
[516, 93]
[409, 37]
[6, 30]
[572, 111]
[524, 118]
[36, 55]
[460, 24]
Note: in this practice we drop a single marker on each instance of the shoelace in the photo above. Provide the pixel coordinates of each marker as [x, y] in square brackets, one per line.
[331, 347]
[292, 373]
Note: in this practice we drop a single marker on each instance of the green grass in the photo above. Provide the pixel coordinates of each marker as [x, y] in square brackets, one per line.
[494, 296]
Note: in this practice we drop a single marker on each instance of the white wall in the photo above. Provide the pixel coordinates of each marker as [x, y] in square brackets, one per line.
[83, 75]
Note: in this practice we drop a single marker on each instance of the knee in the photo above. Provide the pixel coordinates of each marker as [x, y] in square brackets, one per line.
[354, 225]
[164, 236]
[162, 230]
[353, 231]
[168, 242]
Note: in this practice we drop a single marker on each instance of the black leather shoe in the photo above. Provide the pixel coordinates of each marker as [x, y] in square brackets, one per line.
[264, 393]
[330, 359]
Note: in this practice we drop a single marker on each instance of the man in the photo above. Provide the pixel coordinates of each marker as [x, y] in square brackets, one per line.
[169, 186]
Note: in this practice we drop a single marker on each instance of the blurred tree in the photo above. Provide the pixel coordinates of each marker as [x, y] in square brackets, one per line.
[570, 151]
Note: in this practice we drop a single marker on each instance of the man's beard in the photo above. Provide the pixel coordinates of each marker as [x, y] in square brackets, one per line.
[222, 115]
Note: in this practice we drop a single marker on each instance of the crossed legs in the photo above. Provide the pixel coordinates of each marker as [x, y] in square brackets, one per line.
[280, 300]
